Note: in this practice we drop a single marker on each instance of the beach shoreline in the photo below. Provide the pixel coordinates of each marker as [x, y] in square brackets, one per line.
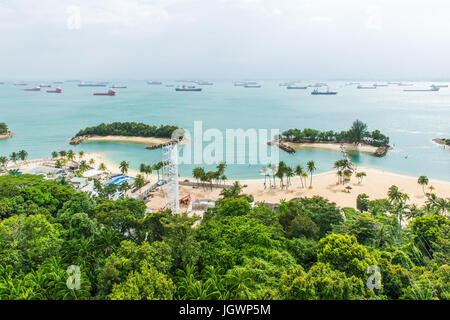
[128, 139]
[375, 185]
[6, 135]
[349, 147]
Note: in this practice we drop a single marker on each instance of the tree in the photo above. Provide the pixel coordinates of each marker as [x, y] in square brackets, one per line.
[139, 182]
[357, 131]
[102, 167]
[198, 174]
[124, 166]
[360, 176]
[423, 181]
[3, 162]
[311, 168]
[23, 155]
[299, 173]
[14, 157]
[362, 202]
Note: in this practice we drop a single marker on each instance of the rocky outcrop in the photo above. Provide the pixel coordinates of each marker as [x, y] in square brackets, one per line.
[282, 146]
[161, 145]
[445, 142]
[7, 135]
[78, 140]
[381, 151]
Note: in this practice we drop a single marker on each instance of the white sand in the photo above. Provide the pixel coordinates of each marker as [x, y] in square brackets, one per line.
[333, 146]
[142, 140]
[376, 185]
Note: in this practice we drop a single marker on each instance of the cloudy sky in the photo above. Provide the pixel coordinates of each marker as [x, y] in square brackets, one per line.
[225, 39]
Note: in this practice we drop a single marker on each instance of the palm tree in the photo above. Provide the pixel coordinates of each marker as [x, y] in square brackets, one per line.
[289, 174]
[4, 161]
[124, 166]
[70, 155]
[158, 166]
[62, 153]
[232, 191]
[431, 188]
[198, 173]
[23, 155]
[423, 181]
[102, 167]
[54, 154]
[274, 169]
[13, 157]
[304, 176]
[360, 176]
[299, 172]
[311, 168]
[80, 154]
[91, 162]
[223, 178]
[221, 168]
[139, 182]
[264, 171]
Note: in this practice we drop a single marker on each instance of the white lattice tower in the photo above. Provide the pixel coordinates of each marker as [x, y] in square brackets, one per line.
[170, 175]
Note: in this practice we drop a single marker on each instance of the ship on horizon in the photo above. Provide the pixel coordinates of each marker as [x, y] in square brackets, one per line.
[433, 88]
[109, 93]
[188, 88]
[57, 90]
[328, 92]
[365, 87]
[92, 84]
[154, 82]
[37, 88]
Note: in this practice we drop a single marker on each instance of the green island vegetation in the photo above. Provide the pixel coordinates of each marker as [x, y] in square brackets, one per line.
[356, 134]
[3, 128]
[129, 129]
[302, 249]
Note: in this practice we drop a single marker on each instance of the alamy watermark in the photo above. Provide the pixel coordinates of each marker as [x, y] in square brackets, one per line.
[374, 280]
[238, 146]
[74, 280]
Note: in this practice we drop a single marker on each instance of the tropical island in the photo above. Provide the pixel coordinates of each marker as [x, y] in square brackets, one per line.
[357, 138]
[443, 141]
[126, 132]
[4, 131]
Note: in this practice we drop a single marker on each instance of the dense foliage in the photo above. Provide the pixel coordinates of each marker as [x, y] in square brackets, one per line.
[3, 128]
[307, 249]
[357, 133]
[129, 129]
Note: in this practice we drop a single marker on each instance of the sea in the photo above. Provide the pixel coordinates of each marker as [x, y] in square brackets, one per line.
[45, 122]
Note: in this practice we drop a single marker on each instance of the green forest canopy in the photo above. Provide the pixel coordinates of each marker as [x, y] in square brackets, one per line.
[3, 128]
[304, 250]
[356, 133]
[129, 129]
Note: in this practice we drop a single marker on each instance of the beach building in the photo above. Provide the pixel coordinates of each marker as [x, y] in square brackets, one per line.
[93, 173]
[79, 183]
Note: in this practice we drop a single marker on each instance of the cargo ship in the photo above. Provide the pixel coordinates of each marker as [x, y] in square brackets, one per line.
[295, 87]
[119, 87]
[154, 82]
[239, 83]
[33, 89]
[188, 88]
[328, 92]
[204, 83]
[100, 84]
[380, 85]
[57, 90]
[252, 85]
[440, 85]
[109, 93]
[366, 87]
[20, 84]
[433, 88]
[43, 85]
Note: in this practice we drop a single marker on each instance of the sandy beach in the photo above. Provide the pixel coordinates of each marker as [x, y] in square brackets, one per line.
[141, 140]
[6, 135]
[349, 147]
[375, 184]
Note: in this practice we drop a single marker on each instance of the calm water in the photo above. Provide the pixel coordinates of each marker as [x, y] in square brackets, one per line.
[45, 122]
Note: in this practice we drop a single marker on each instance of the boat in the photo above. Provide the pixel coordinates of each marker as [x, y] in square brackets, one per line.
[252, 85]
[352, 83]
[380, 85]
[404, 84]
[170, 85]
[188, 88]
[328, 92]
[440, 85]
[365, 87]
[119, 87]
[317, 85]
[433, 88]
[100, 84]
[20, 84]
[109, 93]
[33, 89]
[43, 85]
[204, 83]
[239, 83]
[57, 90]
[295, 87]
[154, 82]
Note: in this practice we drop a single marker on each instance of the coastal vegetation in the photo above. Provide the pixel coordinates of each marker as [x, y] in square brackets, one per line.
[358, 133]
[128, 129]
[305, 249]
[444, 141]
[3, 128]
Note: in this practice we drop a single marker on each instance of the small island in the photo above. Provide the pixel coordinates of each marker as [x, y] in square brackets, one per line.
[443, 141]
[4, 131]
[357, 138]
[132, 132]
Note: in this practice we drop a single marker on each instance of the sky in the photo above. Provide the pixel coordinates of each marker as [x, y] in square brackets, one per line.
[225, 39]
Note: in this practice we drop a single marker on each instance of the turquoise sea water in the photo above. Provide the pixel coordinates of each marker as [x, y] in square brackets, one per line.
[45, 122]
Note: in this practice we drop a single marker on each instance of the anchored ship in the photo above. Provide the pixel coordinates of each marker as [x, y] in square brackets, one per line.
[83, 84]
[43, 85]
[295, 87]
[433, 88]
[119, 87]
[57, 90]
[328, 92]
[109, 93]
[366, 87]
[188, 88]
[252, 85]
[154, 82]
[33, 89]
